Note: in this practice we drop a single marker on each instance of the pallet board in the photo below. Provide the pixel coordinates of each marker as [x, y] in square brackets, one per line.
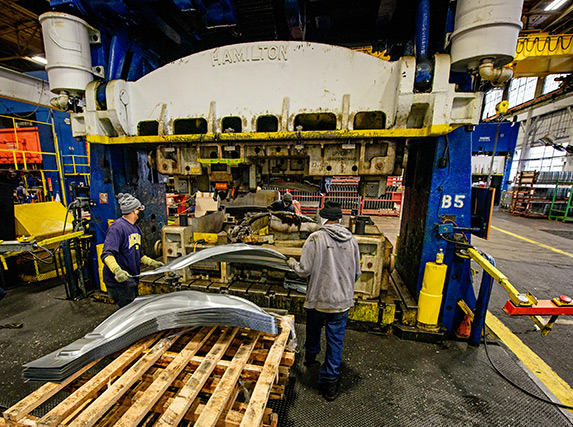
[207, 376]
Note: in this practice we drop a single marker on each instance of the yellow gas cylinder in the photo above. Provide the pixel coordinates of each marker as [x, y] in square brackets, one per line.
[430, 299]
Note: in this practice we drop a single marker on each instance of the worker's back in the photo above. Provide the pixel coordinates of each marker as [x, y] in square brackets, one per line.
[335, 266]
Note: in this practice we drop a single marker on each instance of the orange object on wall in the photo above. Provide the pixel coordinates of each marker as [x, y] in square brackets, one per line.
[28, 139]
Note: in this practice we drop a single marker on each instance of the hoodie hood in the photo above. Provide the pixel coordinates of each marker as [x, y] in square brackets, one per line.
[337, 232]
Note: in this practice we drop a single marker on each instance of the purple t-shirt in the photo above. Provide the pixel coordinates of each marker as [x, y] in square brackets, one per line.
[123, 241]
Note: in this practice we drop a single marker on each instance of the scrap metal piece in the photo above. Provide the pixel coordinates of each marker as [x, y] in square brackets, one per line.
[236, 252]
[146, 315]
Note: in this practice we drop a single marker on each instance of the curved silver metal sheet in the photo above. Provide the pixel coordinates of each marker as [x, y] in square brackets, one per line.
[235, 252]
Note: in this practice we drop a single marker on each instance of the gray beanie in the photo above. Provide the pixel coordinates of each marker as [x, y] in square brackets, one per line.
[287, 197]
[128, 203]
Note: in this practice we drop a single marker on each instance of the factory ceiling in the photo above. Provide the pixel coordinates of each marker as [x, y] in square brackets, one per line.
[377, 23]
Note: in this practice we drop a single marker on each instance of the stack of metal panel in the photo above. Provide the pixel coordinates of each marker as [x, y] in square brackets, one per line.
[146, 315]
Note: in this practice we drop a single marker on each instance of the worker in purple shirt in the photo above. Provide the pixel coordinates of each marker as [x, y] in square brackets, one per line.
[122, 253]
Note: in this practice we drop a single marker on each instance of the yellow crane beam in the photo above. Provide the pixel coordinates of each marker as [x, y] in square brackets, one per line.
[541, 54]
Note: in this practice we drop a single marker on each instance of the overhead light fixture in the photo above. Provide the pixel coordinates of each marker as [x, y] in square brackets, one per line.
[547, 140]
[38, 59]
[555, 4]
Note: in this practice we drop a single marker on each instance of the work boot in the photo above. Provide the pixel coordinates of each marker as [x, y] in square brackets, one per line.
[330, 388]
[310, 360]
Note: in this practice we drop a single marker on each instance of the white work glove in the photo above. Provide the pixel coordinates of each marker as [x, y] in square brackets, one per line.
[292, 263]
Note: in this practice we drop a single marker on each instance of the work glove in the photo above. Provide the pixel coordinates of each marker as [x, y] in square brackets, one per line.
[156, 264]
[121, 275]
[145, 260]
[292, 263]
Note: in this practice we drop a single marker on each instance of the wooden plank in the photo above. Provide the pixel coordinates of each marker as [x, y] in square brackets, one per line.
[142, 406]
[259, 397]
[107, 399]
[191, 389]
[25, 421]
[250, 372]
[171, 384]
[88, 390]
[222, 393]
[287, 358]
[35, 399]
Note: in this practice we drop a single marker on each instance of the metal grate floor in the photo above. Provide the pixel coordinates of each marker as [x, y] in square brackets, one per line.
[387, 381]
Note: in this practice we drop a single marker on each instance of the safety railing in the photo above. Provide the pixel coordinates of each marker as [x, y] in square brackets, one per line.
[76, 164]
[21, 148]
[344, 190]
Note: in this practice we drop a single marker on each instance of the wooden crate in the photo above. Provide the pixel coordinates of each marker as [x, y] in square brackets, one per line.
[208, 376]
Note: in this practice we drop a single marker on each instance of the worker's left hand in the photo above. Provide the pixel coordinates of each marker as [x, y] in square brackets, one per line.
[292, 262]
[156, 264]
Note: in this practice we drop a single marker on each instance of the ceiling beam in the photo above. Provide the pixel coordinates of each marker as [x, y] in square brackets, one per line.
[17, 9]
[35, 44]
[553, 24]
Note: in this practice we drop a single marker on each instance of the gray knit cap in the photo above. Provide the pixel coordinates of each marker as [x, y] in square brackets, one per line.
[287, 197]
[128, 203]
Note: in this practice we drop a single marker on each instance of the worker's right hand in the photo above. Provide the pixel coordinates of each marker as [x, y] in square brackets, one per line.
[121, 275]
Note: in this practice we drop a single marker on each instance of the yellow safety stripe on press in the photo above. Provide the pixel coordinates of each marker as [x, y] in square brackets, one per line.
[433, 130]
[532, 361]
[559, 251]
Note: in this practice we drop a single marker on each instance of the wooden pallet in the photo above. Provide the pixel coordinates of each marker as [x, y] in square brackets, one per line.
[209, 376]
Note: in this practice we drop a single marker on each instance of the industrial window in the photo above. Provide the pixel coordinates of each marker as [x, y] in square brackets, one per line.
[190, 126]
[369, 120]
[150, 127]
[232, 124]
[521, 90]
[315, 121]
[267, 124]
[492, 98]
[551, 84]
[546, 158]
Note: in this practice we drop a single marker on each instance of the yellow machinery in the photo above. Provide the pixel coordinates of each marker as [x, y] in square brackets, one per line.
[44, 229]
[42, 223]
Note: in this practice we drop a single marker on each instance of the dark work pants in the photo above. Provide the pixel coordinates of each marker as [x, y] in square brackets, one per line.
[122, 295]
[335, 327]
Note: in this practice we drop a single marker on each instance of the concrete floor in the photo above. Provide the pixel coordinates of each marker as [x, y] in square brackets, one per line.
[541, 271]
[386, 381]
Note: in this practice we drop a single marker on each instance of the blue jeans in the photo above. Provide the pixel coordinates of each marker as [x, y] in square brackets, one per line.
[335, 327]
[122, 295]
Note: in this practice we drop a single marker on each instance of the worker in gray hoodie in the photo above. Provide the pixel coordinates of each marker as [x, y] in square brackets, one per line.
[331, 258]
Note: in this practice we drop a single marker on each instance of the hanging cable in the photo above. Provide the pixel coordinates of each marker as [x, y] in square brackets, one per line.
[94, 217]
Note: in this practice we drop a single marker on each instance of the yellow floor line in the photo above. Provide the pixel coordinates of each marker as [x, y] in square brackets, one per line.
[532, 361]
[559, 251]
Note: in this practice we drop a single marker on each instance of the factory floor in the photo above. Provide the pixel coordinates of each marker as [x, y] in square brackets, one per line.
[386, 381]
